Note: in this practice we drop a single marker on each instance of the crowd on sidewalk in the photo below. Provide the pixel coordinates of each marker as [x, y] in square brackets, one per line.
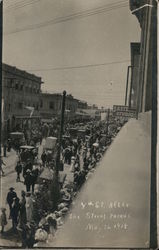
[35, 214]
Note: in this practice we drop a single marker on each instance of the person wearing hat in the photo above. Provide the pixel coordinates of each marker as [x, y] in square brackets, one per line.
[18, 169]
[3, 219]
[28, 180]
[15, 212]
[10, 197]
[34, 174]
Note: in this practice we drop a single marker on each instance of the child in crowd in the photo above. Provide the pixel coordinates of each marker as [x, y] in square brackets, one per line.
[3, 219]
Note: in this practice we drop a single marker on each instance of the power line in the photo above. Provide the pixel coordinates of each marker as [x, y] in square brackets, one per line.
[81, 66]
[20, 5]
[67, 18]
[14, 3]
[77, 15]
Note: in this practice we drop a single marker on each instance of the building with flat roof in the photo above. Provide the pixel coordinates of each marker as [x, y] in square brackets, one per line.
[20, 97]
[51, 103]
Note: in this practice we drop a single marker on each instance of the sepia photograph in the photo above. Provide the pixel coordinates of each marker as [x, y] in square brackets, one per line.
[78, 91]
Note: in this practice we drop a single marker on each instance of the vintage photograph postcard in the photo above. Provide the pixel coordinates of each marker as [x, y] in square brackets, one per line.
[78, 124]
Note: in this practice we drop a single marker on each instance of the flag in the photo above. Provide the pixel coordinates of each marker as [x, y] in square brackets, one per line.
[31, 109]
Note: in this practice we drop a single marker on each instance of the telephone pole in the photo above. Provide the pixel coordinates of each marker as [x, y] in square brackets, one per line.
[55, 189]
[107, 122]
[60, 133]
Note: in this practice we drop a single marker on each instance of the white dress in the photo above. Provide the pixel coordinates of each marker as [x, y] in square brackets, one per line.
[29, 208]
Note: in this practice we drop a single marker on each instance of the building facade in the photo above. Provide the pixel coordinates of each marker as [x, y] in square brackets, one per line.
[50, 106]
[146, 13]
[20, 97]
[82, 104]
[135, 59]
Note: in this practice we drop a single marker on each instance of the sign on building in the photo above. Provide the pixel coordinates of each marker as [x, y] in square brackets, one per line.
[121, 111]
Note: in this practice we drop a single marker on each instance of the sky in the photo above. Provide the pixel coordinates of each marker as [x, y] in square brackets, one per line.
[49, 37]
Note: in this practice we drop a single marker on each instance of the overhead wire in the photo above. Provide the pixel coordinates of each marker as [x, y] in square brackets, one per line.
[77, 15]
[80, 66]
[20, 5]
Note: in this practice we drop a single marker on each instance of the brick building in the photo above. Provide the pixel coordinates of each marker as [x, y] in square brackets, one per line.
[20, 93]
[50, 105]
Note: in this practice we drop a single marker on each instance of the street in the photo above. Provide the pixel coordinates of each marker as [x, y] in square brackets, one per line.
[7, 181]
[78, 124]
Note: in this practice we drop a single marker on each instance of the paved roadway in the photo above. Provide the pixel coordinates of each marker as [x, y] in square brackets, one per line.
[113, 208]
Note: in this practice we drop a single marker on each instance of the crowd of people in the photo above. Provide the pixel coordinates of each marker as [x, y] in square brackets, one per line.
[33, 213]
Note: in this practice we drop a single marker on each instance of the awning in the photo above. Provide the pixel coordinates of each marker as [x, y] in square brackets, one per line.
[26, 117]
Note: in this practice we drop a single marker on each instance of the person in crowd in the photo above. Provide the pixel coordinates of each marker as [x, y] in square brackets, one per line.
[9, 144]
[10, 198]
[72, 167]
[86, 164]
[3, 220]
[15, 212]
[18, 169]
[5, 148]
[28, 236]
[48, 158]
[29, 207]
[28, 180]
[28, 166]
[2, 163]
[52, 225]
[44, 158]
[34, 173]
[23, 216]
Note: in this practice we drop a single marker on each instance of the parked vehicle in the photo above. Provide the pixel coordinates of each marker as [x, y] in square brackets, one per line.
[17, 139]
[28, 153]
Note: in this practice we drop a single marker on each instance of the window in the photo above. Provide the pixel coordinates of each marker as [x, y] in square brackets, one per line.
[41, 103]
[51, 105]
[9, 107]
[20, 105]
[21, 87]
[16, 86]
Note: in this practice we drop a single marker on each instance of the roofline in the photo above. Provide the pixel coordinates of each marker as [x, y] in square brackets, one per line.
[11, 69]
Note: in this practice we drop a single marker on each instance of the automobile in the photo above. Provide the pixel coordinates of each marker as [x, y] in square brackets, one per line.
[28, 152]
[73, 132]
[50, 143]
[17, 139]
[81, 133]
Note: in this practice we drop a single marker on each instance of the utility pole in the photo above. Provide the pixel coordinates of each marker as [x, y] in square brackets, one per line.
[60, 133]
[107, 122]
[55, 189]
